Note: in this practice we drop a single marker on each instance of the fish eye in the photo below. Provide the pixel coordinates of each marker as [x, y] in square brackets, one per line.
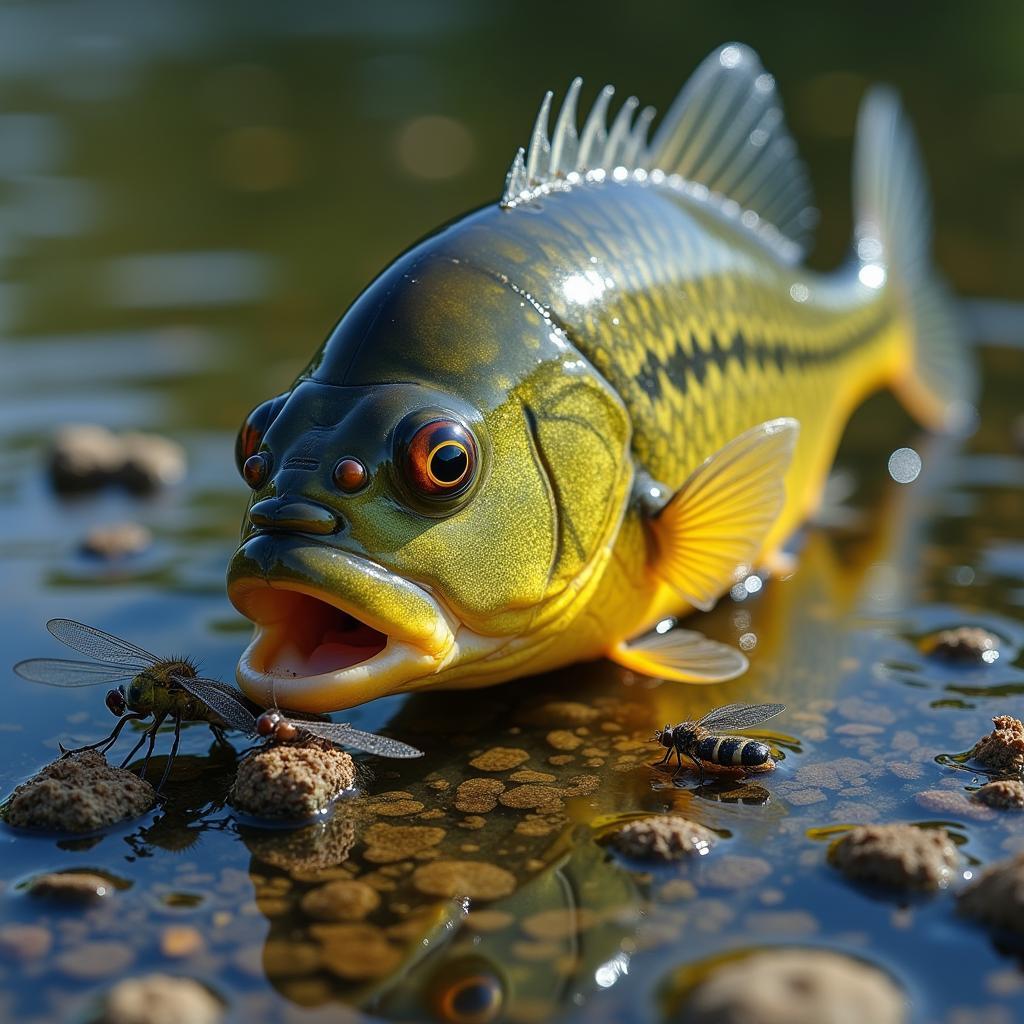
[440, 459]
[255, 427]
[474, 997]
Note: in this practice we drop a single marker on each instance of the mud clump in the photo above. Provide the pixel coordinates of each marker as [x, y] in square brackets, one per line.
[996, 896]
[159, 999]
[475, 879]
[118, 540]
[1002, 795]
[795, 986]
[965, 645]
[78, 793]
[71, 888]
[896, 856]
[85, 457]
[1003, 748]
[667, 837]
[292, 782]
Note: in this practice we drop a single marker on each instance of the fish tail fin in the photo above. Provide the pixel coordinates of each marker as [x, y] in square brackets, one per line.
[938, 384]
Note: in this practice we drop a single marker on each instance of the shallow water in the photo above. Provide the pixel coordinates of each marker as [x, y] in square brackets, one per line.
[185, 206]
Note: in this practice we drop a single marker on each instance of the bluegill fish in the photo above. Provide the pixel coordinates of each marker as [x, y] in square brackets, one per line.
[591, 405]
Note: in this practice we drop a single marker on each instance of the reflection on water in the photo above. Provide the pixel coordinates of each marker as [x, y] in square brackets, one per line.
[187, 202]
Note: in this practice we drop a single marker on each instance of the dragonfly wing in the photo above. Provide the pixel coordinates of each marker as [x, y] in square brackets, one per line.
[60, 672]
[219, 698]
[94, 643]
[370, 742]
[741, 716]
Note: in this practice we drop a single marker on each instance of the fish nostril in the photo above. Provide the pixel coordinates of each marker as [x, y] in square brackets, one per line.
[293, 516]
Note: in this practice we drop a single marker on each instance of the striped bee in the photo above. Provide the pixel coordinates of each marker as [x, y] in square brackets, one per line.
[703, 743]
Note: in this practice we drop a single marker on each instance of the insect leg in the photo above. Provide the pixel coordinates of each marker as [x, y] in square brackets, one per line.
[135, 749]
[218, 735]
[668, 754]
[173, 753]
[151, 733]
[112, 738]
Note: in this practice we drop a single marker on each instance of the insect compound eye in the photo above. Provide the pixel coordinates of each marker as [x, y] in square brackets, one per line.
[440, 459]
[116, 704]
[255, 470]
[349, 475]
[285, 732]
[267, 723]
[474, 997]
[255, 427]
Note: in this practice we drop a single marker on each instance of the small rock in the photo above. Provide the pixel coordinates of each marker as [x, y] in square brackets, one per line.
[531, 796]
[559, 924]
[733, 872]
[292, 781]
[795, 986]
[564, 740]
[966, 645]
[996, 896]
[21, 943]
[472, 878]
[359, 952]
[1003, 794]
[1003, 748]
[899, 856]
[79, 793]
[93, 960]
[159, 999]
[389, 844]
[563, 712]
[150, 462]
[119, 540]
[341, 900]
[952, 804]
[180, 941]
[664, 837]
[478, 796]
[71, 887]
[499, 759]
[83, 457]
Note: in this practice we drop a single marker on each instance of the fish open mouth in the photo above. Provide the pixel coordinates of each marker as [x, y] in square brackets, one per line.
[333, 630]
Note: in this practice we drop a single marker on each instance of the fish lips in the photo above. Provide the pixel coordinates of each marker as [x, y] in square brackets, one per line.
[310, 597]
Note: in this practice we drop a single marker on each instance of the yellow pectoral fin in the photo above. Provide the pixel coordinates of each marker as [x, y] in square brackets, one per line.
[712, 529]
[682, 655]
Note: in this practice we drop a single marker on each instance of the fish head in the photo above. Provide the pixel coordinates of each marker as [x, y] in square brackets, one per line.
[431, 498]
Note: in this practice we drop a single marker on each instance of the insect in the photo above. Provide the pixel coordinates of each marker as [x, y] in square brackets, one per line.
[707, 741]
[146, 685]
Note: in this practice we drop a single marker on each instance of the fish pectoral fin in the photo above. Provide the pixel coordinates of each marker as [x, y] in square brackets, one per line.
[682, 655]
[714, 526]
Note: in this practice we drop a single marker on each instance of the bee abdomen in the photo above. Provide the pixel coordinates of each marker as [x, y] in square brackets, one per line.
[732, 750]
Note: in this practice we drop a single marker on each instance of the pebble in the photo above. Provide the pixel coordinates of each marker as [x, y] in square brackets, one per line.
[795, 986]
[93, 960]
[499, 759]
[71, 888]
[79, 793]
[559, 924]
[1004, 794]
[734, 872]
[292, 781]
[529, 775]
[563, 712]
[666, 838]
[478, 796]
[87, 456]
[476, 879]
[118, 540]
[24, 942]
[562, 739]
[396, 804]
[283, 959]
[898, 856]
[952, 804]
[359, 952]
[159, 999]
[181, 940]
[1003, 748]
[996, 896]
[531, 796]
[970, 645]
[387, 844]
[340, 900]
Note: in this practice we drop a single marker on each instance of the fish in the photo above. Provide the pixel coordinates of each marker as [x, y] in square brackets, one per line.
[590, 407]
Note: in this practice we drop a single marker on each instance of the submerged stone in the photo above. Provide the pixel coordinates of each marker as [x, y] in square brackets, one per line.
[970, 645]
[663, 837]
[475, 879]
[897, 856]
[78, 793]
[996, 896]
[118, 540]
[341, 900]
[292, 781]
[1002, 794]
[159, 999]
[71, 887]
[795, 986]
[1003, 748]
[87, 456]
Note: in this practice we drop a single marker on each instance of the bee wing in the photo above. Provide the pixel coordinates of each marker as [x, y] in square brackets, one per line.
[94, 643]
[739, 716]
[219, 697]
[370, 742]
[61, 672]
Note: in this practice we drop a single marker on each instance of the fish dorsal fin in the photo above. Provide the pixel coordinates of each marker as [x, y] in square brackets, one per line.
[723, 141]
[712, 529]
